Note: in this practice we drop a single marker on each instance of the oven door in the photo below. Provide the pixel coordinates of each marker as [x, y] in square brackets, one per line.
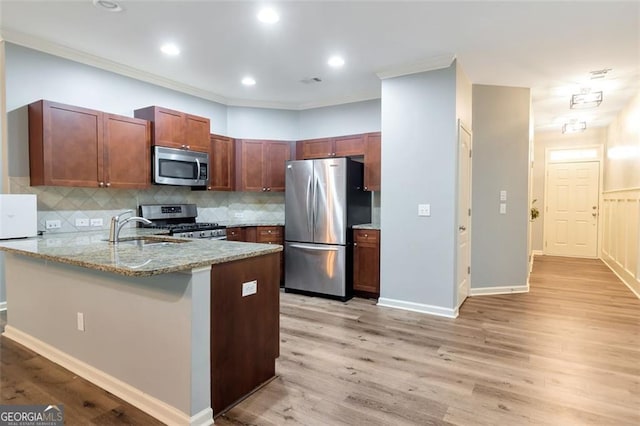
[180, 167]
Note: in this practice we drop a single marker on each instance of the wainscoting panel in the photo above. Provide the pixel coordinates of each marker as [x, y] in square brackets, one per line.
[621, 235]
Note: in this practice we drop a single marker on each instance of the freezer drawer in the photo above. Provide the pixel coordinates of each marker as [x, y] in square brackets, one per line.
[317, 268]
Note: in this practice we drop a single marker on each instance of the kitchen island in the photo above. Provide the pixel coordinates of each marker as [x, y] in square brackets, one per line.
[179, 328]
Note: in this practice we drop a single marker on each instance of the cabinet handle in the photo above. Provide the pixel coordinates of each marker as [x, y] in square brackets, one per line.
[101, 184]
[355, 244]
[268, 189]
[188, 146]
[264, 189]
[366, 188]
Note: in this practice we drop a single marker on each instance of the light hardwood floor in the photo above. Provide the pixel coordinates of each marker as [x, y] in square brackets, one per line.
[566, 353]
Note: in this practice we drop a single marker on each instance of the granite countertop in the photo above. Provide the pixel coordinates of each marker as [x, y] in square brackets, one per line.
[375, 226]
[133, 258]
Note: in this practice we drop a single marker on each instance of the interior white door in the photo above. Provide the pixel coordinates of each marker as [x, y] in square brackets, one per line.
[571, 213]
[464, 214]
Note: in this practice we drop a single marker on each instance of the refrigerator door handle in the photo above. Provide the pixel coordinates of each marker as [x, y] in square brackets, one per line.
[314, 248]
[309, 211]
[315, 204]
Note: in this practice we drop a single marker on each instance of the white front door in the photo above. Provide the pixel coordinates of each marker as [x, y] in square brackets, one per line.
[464, 214]
[571, 213]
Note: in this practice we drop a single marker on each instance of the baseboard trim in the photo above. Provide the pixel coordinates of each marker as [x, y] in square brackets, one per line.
[537, 252]
[147, 403]
[624, 279]
[490, 291]
[418, 307]
[3, 306]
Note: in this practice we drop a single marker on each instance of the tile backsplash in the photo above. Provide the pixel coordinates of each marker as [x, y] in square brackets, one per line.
[68, 204]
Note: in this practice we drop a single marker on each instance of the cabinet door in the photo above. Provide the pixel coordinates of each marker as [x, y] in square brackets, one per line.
[127, 152]
[168, 128]
[197, 132]
[366, 261]
[276, 155]
[372, 162]
[221, 163]
[314, 148]
[348, 146]
[66, 145]
[235, 234]
[251, 167]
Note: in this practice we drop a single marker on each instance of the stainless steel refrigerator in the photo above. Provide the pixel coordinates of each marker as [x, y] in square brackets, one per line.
[323, 200]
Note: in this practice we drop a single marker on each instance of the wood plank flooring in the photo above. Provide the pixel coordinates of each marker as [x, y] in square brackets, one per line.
[566, 353]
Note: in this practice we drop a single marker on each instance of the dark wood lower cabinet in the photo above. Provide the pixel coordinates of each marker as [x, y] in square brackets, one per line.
[244, 329]
[259, 234]
[366, 262]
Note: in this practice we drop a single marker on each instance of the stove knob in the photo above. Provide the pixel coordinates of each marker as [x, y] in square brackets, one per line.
[203, 234]
[190, 234]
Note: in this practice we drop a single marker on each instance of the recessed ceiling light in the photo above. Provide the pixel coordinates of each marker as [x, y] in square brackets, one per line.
[336, 61]
[249, 81]
[268, 16]
[109, 5]
[170, 49]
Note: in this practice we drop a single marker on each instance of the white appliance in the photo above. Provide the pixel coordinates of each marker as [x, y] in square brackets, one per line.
[18, 216]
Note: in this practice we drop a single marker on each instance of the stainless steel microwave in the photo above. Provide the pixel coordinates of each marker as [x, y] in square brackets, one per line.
[180, 167]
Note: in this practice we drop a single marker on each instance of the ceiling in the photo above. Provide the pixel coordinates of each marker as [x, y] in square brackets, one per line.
[548, 46]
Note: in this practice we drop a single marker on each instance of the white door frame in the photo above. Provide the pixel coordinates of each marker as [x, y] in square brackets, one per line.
[466, 129]
[567, 159]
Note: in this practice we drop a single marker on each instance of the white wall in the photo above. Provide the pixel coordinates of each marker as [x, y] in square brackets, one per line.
[262, 123]
[620, 214]
[549, 140]
[419, 165]
[501, 128]
[346, 119]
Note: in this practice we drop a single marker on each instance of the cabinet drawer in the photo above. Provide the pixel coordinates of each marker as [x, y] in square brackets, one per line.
[269, 234]
[235, 234]
[367, 235]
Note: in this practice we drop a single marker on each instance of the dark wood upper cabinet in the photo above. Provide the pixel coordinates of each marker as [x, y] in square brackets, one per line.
[260, 165]
[314, 148]
[366, 262]
[372, 156]
[127, 161]
[222, 163]
[276, 155]
[175, 129]
[74, 146]
[343, 146]
[348, 146]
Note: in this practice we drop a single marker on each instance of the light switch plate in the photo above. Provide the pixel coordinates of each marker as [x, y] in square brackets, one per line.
[424, 209]
[503, 208]
[503, 195]
[249, 288]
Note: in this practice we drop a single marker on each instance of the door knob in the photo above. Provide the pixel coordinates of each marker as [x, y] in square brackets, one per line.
[462, 228]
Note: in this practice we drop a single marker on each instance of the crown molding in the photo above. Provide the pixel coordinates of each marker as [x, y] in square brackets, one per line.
[82, 57]
[431, 64]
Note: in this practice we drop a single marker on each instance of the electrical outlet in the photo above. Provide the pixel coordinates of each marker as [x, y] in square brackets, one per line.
[96, 221]
[249, 288]
[80, 321]
[82, 222]
[503, 195]
[53, 224]
[503, 208]
[424, 209]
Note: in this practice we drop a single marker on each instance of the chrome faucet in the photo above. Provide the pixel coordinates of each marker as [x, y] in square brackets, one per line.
[116, 224]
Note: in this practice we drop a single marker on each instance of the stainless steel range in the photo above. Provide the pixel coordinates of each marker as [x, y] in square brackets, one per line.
[180, 221]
